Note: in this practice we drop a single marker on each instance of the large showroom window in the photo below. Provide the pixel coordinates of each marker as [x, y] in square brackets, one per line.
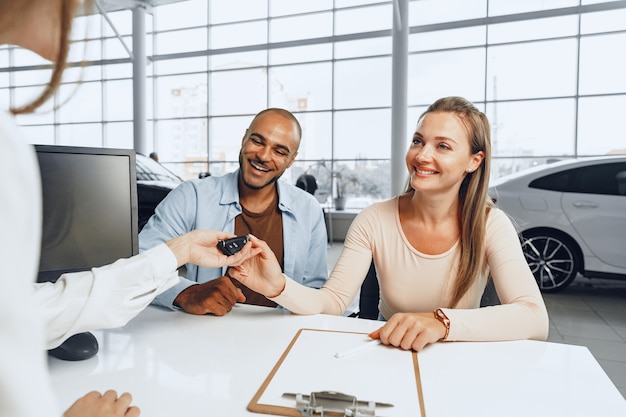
[548, 74]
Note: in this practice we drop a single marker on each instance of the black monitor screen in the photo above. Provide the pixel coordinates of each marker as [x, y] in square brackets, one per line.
[89, 208]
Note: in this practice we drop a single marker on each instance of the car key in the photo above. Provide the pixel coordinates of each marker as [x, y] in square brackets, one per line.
[233, 245]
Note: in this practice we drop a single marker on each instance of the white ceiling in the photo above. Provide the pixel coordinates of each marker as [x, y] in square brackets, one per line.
[115, 5]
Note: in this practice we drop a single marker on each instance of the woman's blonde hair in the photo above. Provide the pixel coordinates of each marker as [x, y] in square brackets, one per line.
[474, 201]
[67, 11]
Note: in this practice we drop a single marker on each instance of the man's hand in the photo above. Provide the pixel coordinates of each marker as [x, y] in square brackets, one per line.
[216, 297]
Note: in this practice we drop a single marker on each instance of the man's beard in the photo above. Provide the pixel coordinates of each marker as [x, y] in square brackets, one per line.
[251, 186]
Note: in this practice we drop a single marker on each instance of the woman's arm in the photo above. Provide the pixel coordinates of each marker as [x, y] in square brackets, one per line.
[263, 274]
[522, 313]
[111, 295]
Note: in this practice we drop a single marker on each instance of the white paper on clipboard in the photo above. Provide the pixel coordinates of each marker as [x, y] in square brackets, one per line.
[380, 373]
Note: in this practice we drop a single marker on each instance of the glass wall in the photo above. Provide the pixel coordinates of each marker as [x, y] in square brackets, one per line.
[548, 74]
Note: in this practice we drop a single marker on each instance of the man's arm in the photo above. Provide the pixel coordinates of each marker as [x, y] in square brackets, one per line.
[316, 269]
[216, 297]
[173, 217]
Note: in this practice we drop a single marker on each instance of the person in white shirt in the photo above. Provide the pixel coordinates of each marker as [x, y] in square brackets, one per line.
[35, 317]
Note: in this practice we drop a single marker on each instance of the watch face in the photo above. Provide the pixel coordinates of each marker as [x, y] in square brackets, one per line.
[442, 316]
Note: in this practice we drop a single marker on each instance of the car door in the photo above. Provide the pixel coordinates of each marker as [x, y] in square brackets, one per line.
[597, 210]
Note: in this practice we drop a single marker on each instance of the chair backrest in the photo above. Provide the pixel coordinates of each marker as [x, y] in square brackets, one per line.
[307, 182]
[370, 295]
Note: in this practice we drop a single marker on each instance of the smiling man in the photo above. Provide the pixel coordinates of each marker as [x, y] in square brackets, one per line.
[254, 200]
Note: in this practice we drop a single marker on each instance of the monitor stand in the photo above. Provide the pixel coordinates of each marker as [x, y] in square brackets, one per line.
[79, 347]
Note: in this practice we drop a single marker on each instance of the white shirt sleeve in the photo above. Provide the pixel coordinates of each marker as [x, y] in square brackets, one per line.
[104, 297]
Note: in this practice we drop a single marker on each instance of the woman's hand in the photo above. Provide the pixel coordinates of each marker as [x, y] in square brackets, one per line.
[95, 404]
[410, 330]
[199, 247]
[261, 273]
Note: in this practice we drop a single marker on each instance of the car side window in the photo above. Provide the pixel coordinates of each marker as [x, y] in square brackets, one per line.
[560, 181]
[608, 179]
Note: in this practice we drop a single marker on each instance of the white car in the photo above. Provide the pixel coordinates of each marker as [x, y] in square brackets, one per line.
[571, 216]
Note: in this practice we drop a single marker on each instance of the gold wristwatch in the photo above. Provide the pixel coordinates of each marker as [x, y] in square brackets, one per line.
[441, 316]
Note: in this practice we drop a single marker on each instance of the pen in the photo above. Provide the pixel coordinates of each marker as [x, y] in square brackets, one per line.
[358, 349]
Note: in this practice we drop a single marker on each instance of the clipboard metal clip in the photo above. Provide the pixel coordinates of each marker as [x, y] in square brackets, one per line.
[335, 403]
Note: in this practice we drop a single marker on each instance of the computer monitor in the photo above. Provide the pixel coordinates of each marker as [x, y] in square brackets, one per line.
[89, 208]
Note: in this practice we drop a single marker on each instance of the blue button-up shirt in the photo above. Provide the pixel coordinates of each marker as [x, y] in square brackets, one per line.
[213, 203]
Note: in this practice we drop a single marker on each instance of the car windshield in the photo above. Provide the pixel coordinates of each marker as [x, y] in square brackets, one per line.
[149, 170]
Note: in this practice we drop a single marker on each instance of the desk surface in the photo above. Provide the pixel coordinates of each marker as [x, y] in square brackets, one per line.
[176, 364]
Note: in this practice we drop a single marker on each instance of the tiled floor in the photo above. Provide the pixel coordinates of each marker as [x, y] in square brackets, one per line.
[589, 313]
[592, 313]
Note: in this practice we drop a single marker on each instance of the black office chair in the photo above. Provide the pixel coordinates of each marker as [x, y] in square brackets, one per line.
[307, 182]
[370, 295]
[490, 296]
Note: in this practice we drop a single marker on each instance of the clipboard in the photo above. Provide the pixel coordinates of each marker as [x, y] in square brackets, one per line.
[380, 374]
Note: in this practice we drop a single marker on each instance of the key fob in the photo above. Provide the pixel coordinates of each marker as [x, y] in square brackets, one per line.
[233, 245]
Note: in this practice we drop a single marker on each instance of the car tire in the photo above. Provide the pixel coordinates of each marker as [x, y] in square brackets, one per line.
[553, 259]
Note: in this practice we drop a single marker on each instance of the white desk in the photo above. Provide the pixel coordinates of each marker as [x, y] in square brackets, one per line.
[176, 364]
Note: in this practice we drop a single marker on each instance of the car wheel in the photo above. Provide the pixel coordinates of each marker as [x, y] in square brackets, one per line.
[552, 257]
